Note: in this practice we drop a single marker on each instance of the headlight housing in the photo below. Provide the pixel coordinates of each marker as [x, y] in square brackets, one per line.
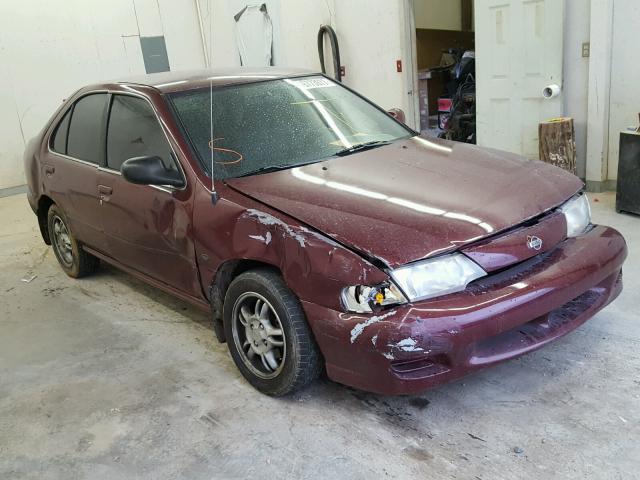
[367, 299]
[437, 276]
[577, 212]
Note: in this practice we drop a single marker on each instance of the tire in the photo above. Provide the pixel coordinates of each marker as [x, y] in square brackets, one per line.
[72, 258]
[275, 364]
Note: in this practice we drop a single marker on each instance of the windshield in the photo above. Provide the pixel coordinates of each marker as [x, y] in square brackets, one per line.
[279, 124]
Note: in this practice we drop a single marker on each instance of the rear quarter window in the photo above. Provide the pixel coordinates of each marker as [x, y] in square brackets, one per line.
[59, 137]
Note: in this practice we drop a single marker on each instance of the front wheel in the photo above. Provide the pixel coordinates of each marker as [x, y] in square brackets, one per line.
[268, 335]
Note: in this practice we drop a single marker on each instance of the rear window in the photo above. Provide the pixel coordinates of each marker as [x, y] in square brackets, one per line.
[86, 129]
[59, 139]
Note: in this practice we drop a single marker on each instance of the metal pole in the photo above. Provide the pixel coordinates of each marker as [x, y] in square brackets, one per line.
[205, 50]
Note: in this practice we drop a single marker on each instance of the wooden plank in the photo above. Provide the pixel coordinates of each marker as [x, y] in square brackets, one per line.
[557, 143]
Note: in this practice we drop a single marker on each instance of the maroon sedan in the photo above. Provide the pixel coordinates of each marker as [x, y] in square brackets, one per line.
[319, 231]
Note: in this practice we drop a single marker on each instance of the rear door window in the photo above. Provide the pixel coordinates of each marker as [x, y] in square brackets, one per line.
[87, 128]
[134, 131]
[59, 140]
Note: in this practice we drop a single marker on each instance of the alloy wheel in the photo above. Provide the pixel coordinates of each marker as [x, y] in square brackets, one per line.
[62, 241]
[258, 335]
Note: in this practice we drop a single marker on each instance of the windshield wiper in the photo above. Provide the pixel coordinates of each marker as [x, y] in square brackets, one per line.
[359, 147]
[267, 169]
[275, 168]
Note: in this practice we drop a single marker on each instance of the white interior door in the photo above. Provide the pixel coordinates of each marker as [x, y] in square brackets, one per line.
[518, 54]
[411, 66]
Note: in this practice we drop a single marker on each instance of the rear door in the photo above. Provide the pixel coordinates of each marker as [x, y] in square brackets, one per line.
[148, 228]
[518, 55]
[70, 166]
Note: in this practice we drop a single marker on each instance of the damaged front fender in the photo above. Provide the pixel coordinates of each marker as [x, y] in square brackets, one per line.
[315, 267]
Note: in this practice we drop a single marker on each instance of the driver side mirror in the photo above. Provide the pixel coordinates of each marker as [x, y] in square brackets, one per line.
[398, 114]
[150, 170]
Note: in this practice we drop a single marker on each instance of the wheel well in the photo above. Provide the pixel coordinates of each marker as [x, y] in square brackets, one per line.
[44, 203]
[223, 278]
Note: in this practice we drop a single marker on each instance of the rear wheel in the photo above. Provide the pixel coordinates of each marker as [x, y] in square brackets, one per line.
[72, 258]
[268, 335]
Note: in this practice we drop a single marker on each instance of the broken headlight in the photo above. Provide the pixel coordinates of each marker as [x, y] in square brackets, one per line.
[578, 215]
[367, 299]
[437, 276]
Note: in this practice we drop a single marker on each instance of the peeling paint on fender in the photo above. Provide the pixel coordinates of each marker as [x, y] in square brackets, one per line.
[266, 238]
[267, 219]
[359, 328]
[407, 345]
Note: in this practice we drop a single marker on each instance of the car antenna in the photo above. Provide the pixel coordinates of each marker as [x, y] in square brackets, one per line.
[214, 194]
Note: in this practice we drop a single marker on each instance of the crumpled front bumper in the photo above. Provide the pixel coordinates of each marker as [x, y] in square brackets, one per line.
[412, 347]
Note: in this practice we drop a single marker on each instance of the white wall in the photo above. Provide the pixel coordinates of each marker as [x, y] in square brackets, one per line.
[181, 33]
[625, 77]
[370, 34]
[295, 26]
[369, 48]
[576, 74]
[48, 49]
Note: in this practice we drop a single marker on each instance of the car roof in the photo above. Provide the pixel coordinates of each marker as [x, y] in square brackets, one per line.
[168, 82]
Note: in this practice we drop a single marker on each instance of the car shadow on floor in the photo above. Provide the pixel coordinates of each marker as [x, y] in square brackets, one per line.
[180, 307]
[515, 382]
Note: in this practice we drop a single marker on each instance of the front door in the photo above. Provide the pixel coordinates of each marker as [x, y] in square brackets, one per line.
[518, 55]
[148, 228]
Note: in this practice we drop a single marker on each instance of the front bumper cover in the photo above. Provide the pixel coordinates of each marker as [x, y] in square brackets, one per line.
[412, 347]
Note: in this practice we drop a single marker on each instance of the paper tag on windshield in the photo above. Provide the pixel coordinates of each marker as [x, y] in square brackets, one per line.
[309, 83]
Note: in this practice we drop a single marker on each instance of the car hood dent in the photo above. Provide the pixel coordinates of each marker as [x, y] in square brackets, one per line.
[414, 198]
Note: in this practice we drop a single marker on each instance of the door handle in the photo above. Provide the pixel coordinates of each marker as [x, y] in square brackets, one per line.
[105, 190]
[49, 170]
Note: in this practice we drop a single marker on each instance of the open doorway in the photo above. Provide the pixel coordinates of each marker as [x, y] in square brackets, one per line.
[445, 57]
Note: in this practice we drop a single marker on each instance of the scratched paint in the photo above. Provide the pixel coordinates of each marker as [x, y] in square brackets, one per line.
[267, 219]
[266, 238]
[359, 328]
[407, 345]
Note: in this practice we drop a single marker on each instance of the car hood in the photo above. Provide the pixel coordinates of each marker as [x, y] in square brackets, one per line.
[414, 198]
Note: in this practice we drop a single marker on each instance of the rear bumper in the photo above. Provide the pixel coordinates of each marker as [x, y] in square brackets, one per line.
[417, 346]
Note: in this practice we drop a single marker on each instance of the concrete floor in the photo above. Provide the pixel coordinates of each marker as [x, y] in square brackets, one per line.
[107, 378]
